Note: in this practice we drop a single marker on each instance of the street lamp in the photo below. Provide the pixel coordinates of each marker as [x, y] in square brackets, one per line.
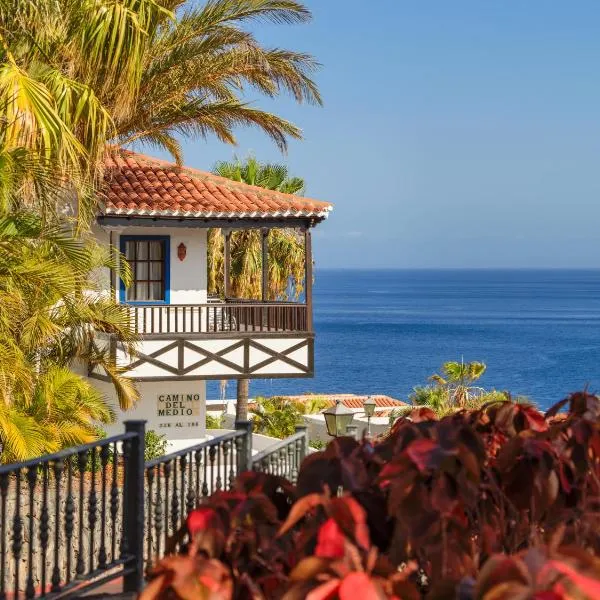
[369, 406]
[337, 418]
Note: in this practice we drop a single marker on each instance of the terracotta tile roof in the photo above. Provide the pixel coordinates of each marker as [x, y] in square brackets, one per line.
[384, 413]
[351, 400]
[140, 185]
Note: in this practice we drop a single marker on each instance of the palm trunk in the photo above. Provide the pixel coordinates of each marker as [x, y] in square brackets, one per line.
[241, 407]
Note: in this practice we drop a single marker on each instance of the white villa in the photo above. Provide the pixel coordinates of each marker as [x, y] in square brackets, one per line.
[158, 214]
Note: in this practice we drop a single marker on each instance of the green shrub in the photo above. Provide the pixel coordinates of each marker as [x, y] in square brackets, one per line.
[318, 444]
[96, 461]
[276, 417]
[156, 445]
[312, 405]
[215, 422]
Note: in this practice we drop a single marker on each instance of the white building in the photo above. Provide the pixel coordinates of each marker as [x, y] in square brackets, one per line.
[158, 215]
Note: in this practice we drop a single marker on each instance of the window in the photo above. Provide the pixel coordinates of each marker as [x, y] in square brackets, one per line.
[148, 258]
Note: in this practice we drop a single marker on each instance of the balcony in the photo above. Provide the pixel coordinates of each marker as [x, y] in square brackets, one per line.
[219, 317]
[233, 339]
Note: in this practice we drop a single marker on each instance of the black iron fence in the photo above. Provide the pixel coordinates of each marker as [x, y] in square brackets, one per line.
[74, 520]
[283, 458]
[178, 482]
[68, 517]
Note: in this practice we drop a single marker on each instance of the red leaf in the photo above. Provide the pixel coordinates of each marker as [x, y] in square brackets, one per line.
[424, 413]
[300, 508]
[327, 591]
[586, 584]
[359, 515]
[330, 541]
[200, 519]
[390, 470]
[156, 587]
[535, 419]
[420, 451]
[359, 585]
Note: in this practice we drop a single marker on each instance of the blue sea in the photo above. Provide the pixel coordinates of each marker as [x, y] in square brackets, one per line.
[386, 331]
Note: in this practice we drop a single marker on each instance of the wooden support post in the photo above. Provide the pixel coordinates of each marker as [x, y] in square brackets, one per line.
[113, 278]
[308, 278]
[227, 264]
[265, 264]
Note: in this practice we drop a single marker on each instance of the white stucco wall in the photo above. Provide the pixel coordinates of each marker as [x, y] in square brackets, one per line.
[181, 419]
[188, 283]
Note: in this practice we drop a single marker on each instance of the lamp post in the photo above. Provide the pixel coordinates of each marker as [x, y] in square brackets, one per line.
[369, 406]
[337, 419]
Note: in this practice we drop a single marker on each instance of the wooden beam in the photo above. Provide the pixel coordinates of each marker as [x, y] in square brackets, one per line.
[227, 263]
[265, 264]
[206, 223]
[308, 278]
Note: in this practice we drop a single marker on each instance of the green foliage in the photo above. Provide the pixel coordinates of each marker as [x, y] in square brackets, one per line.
[276, 417]
[454, 390]
[460, 373]
[435, 397]
[93, 461]
[215, 422]
[271, 176]
[398, 412]
[286, 246]
[156, 445]
[318, 444]
[312, 405]
[198, 69]
[68, 70]
[50, 307]
[458, 380]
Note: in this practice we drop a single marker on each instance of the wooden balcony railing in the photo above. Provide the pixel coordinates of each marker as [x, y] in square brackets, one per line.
[217, 317]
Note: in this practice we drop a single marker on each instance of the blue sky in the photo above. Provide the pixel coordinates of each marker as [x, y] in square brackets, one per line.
[460, 133]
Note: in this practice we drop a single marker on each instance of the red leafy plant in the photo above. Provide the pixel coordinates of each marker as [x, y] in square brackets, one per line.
[502, 502]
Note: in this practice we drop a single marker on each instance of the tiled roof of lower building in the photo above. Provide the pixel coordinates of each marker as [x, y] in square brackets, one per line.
[351, 400]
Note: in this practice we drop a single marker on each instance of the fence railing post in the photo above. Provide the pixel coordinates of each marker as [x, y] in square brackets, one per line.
[244, 451]
[304, 448]
[133, 522]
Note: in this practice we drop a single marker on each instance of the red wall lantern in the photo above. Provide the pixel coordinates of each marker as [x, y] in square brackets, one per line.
[181, 251]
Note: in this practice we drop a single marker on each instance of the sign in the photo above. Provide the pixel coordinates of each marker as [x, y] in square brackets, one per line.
[178, 405]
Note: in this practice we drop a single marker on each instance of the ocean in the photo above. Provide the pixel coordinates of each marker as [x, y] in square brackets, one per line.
[386, 331]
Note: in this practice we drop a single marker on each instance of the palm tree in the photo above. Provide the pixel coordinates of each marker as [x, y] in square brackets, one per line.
[286, 250]
[271, 176]
[68, 68]
[198, 70]
[459, 378]
[286, 247]
[51, 309]
[76, 74]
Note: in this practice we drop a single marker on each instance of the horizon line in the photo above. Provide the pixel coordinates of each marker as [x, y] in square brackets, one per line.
[457, 268]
